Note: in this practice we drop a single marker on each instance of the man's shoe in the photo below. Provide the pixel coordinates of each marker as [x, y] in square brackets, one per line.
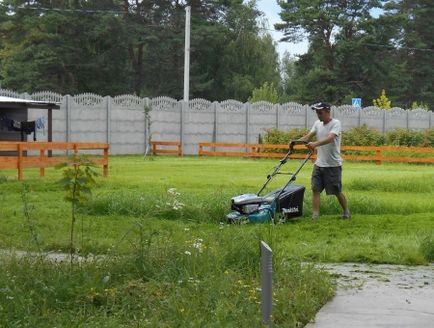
[346, 215]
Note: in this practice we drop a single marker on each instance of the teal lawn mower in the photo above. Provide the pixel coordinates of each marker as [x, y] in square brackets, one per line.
[288, 200]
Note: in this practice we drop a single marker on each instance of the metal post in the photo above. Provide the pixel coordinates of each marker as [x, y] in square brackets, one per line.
[266, 282]
[277, 106]
[187, 53]
[68, 120]
[184, 106]
[108, 118]
[147, 116]
[214, 135]
[50, 129]
[359, 116]
[247, 107]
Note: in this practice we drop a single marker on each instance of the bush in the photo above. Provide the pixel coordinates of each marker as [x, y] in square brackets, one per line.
[362, 136]
[278, 137]
[428, 136]
[404, 137]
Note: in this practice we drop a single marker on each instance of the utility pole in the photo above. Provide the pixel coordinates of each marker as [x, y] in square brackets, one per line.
[187, 54]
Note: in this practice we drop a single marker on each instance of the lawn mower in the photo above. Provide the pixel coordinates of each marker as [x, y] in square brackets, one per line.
[254, 208]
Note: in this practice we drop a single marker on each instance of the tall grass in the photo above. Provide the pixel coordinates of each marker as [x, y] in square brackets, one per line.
[167, 280]
[169, 259]
[393, 200]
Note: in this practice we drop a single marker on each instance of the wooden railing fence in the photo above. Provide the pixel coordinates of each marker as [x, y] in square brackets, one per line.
[166, 147]
[20, 161]
[352, 153]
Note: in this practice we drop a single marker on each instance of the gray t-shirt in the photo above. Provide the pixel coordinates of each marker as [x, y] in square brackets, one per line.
[328, 155]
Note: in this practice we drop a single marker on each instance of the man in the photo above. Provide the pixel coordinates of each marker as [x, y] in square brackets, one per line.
[327, 171]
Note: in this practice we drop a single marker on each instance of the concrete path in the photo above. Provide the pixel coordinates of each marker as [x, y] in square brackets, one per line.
[379, 296]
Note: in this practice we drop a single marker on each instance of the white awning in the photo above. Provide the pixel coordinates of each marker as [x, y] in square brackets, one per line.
[9, 102]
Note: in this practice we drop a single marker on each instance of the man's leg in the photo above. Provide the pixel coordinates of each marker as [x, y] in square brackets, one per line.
[317, 186]
[316, 199]
[343, 202]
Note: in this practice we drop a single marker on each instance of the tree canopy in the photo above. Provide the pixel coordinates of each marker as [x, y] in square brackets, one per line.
[354, 54]
[356, 49]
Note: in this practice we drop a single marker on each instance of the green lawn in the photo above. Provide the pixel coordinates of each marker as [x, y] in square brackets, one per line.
[170, 258]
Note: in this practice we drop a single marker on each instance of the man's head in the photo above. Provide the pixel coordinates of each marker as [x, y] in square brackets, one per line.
[322, 111]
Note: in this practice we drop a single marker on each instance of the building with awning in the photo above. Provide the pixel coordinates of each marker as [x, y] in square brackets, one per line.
[14, 114]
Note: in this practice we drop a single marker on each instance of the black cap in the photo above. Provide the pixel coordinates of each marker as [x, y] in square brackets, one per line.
[320, 105]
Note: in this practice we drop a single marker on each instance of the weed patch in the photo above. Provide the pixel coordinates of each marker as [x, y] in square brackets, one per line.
[427, 247]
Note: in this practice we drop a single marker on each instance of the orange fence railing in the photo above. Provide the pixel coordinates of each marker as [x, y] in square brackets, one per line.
[167, 147]
[355, 153]
[20, 161]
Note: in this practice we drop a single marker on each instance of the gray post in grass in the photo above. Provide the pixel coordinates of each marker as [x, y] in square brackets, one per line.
[266, 282]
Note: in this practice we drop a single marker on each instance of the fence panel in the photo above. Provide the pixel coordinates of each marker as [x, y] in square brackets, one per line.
[348, 115]
[127, 125]
[292, 115]
[372, 117]
[88, 118]
[165, 116]
[419, 119]
[231, 122]
[262, 116]
[198, 124]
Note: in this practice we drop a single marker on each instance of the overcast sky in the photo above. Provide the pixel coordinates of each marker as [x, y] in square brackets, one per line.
[271, 10]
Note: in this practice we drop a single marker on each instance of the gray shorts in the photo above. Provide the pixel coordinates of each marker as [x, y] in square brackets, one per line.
[328, 178]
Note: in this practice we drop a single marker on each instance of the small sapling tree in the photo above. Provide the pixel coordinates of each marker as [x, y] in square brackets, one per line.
[78, 179]
[382, 101]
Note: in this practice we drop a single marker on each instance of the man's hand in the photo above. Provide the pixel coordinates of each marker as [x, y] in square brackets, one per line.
[314, 144]
[311, 146]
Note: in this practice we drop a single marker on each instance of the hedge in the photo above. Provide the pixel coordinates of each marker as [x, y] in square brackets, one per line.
[361, 136]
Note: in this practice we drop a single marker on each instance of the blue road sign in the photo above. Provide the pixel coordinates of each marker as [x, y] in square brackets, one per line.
[357, 102]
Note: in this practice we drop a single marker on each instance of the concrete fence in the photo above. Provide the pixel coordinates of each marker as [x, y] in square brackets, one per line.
[128, 122]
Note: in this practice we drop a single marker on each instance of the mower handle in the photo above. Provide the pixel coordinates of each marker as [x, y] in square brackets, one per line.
[296, 142]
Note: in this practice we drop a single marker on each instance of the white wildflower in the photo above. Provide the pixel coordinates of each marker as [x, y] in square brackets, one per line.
[198, 244]
[187, 253]
[173, 192]
[106, 279]
[177, 205]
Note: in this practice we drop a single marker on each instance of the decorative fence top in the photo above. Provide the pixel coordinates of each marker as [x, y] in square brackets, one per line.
[89, 100]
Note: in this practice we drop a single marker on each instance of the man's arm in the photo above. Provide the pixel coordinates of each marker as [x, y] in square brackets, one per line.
[307, 137]
[324, 141]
